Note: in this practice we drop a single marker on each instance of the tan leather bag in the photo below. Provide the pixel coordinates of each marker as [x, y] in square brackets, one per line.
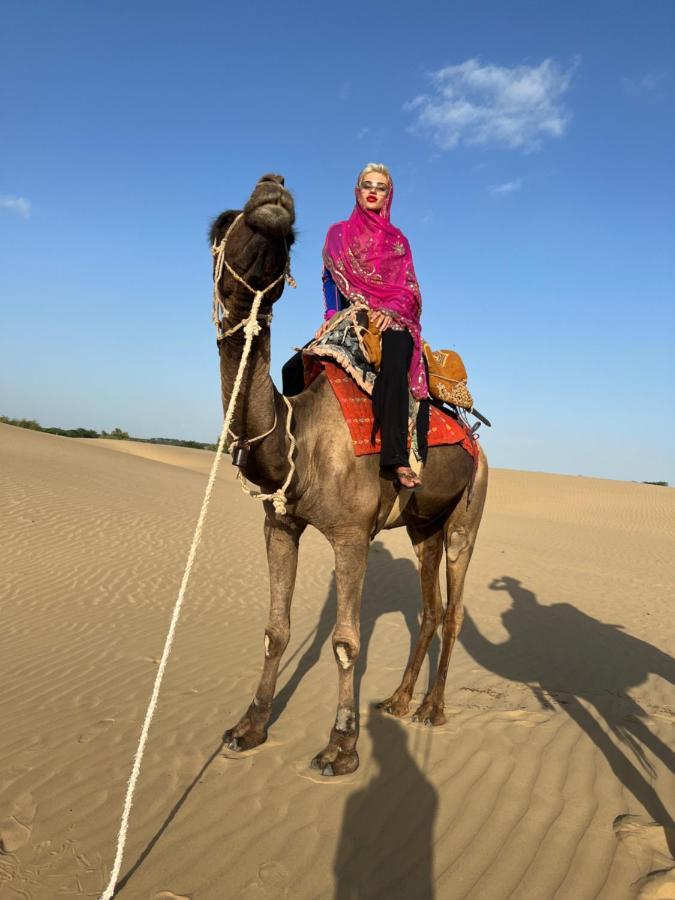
[447, 377]
[447, 373]
[371, 340]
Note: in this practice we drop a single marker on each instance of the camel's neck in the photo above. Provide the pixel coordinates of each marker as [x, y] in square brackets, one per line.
[257, 404]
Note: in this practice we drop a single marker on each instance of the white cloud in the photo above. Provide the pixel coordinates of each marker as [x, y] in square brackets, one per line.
[648, 83]
[508, 187]
[488, 104]
[17, 204]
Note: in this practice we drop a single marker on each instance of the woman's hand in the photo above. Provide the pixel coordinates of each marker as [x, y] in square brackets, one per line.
[381, 320]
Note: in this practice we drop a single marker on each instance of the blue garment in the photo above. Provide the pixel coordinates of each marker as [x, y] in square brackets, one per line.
[332, 298]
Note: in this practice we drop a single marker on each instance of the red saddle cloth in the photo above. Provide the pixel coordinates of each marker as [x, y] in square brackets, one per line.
[357, 408]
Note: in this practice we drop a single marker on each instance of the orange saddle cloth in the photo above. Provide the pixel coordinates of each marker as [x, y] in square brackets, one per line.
[357, 408]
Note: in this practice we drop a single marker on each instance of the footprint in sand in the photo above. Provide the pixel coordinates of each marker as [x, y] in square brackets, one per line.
[651, 846]
[97, 729]
[271, 883]
[17, 828]
[169, 895]
[525, 717]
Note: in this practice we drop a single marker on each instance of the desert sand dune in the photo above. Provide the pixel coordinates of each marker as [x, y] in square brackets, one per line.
[544, 783]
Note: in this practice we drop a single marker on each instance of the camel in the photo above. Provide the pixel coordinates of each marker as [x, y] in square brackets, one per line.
[341, 495]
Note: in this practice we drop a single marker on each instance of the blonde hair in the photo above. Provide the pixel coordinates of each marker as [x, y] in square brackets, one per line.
[374, 167]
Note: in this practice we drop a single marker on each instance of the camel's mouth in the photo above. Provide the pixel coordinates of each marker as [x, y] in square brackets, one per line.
[270, 208]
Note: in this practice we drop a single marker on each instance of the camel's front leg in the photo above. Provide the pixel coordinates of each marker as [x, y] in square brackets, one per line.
[340, 756]
[282, 537]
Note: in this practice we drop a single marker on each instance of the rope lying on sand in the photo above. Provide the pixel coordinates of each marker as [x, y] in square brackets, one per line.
[251, 328]
[131, 786]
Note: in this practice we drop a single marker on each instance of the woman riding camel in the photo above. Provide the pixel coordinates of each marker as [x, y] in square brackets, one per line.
[367, 260]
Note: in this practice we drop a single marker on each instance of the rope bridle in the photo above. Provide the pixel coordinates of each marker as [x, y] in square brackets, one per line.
[220, 311]
[251, 326]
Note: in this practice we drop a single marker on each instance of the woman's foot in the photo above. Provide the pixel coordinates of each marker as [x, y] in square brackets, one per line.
[407, 478]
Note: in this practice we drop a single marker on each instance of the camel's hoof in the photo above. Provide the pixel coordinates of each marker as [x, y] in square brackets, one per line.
[395, 707]
[429, 715]
[336, 762]
[241, 742]
[326, 770]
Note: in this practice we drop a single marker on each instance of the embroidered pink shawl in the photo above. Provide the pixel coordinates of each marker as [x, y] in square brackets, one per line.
[371, 263]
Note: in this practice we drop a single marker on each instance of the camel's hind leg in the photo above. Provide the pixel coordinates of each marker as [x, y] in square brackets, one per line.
[428, 544]
[282, 537]
[460, 532]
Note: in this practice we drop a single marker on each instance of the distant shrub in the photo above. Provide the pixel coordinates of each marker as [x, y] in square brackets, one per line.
[659, 483]
[175, 442]
[72, 432]
[116, 434]
[31, 424]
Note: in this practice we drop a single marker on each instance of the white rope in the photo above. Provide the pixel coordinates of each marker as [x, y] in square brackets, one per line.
[220, 311]
[258, 437]
[278, 498]
[251, 328]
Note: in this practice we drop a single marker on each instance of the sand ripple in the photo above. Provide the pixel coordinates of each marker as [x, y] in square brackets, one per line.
[545, 781]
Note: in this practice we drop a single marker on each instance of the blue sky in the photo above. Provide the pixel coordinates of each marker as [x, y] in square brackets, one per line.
[532, 151]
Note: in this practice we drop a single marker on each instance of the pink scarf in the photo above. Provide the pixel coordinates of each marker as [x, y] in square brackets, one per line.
[371, 263]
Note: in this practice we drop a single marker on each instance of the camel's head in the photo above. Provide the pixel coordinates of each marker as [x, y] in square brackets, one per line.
[259, 244]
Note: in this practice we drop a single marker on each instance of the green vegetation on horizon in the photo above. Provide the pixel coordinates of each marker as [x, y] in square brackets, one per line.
[116, 434]
[119, 435]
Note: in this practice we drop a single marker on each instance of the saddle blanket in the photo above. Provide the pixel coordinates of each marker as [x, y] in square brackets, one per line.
[357, 408]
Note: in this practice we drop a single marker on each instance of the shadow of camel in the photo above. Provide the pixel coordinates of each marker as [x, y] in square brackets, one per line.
[405, 599]
[376, 602]
[391, 585]
[566, 656]
[383, 852]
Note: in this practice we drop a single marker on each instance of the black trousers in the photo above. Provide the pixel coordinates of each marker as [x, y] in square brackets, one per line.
[293, 375]
[390, 401]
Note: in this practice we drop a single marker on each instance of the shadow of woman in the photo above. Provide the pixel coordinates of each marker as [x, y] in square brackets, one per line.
[566, 656]
[391, 585]
[383, 851]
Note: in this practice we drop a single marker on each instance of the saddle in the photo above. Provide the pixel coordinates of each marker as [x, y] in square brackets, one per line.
[343, 354]
[447, 373]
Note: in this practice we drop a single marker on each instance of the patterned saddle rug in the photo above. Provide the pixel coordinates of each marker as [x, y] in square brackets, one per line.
[339, 354]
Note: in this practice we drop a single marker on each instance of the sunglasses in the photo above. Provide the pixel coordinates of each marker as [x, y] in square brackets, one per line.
[375, 186]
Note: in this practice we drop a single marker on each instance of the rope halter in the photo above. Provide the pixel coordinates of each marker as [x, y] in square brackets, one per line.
[220, 311]
[251, 326]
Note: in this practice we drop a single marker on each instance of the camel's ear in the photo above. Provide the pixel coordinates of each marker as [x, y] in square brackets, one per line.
[221, 223]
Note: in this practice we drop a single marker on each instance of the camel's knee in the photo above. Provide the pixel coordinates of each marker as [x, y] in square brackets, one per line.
[457, 543]
[345, 648]
[276, 640]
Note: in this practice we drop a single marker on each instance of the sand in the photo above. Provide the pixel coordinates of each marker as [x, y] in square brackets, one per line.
[544, 783]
